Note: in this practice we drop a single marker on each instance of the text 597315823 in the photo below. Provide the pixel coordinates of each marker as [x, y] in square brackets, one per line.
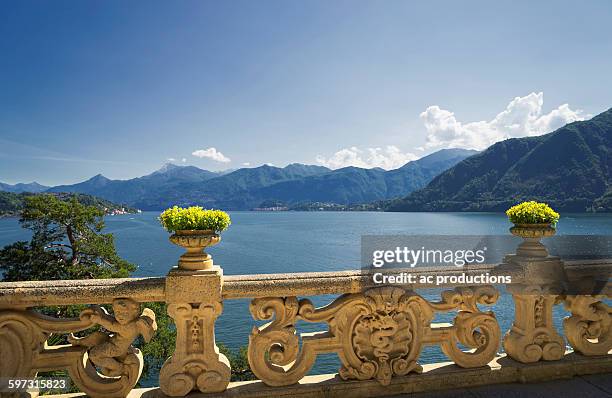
[34, 384]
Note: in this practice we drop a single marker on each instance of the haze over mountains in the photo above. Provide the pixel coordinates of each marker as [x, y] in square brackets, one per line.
[568, 168]
[18, 188]
[247, 188]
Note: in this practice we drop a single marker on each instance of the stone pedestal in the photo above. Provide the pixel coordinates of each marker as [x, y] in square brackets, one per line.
[538, 280]
[194, 302]
[533, 336]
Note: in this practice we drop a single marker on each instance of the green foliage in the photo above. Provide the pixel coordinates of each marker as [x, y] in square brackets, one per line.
[568, 169]
[239, 362]
[66, 243]
[161, 346]
[11, 204]
[194, 218]
[532, 213]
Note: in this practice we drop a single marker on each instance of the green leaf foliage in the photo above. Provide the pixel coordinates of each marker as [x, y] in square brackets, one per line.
[194, 218]
[11, 204]
[67, 243]
[570, 169]
[239, 362]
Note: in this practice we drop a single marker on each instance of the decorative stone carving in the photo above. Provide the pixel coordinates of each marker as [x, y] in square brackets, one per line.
[196, 363]
[472, 328]
[194, 302]
[274, 346]
[382, 334]
[589, 328]
[24, 334]
[111, 350]
[538, 281]
[194, 242]
[532, 234]
[533, 336]
[21, 339]
[531, 264]
[377, 334]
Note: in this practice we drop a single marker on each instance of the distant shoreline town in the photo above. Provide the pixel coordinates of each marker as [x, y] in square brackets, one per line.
[11, 204]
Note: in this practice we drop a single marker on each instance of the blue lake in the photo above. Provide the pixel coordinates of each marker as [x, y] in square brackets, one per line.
[278, 242]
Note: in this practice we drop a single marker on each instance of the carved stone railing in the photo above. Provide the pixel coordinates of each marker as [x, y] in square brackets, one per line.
[100, 364]
[377, 332]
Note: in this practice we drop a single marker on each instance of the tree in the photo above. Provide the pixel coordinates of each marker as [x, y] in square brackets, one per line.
[66, 243]
[239, 362]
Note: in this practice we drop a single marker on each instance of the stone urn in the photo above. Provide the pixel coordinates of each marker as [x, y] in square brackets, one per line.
[532, 234]
[195, 241]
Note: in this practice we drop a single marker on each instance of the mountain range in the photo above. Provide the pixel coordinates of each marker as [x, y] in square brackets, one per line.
[568, 168]
[247, 188]
[33, 187]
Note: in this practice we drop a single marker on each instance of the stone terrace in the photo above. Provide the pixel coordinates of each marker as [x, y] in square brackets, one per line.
[376, 331]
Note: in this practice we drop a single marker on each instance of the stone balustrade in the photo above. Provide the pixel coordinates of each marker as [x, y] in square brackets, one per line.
[376, 331]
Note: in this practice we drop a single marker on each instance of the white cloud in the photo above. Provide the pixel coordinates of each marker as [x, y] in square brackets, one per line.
[246, 163]
[171, 160]
[522, 117]
[184, 160]
[211, 153]
[389, 158]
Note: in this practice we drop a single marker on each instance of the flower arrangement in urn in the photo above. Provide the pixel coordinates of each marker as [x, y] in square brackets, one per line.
[532, 213]
[195, 228]
[532, 222]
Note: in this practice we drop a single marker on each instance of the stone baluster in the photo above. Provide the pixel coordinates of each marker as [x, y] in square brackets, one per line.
[194, 302]
[538, 282]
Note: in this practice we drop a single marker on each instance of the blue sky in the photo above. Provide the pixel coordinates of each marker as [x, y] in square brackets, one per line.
[117, 87]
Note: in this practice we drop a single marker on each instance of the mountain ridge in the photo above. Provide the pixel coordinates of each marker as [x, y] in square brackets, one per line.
[568, 168]
[246, 188]
[23, 187]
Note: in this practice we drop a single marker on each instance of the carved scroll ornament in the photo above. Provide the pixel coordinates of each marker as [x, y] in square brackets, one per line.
[589, 328]
[377, 334]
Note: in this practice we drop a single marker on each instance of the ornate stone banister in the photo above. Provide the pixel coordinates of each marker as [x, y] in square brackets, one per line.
[70, 292]
[376, 331]
[103, 291]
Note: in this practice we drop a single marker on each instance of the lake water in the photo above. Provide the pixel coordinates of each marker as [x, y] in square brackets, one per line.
[277, 242]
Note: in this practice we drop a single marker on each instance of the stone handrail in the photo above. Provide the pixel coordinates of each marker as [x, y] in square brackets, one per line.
[103, 291]
[376, 331]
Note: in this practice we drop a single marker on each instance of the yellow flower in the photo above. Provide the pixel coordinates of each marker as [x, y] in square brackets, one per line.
[194, 218]
[532, 213]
